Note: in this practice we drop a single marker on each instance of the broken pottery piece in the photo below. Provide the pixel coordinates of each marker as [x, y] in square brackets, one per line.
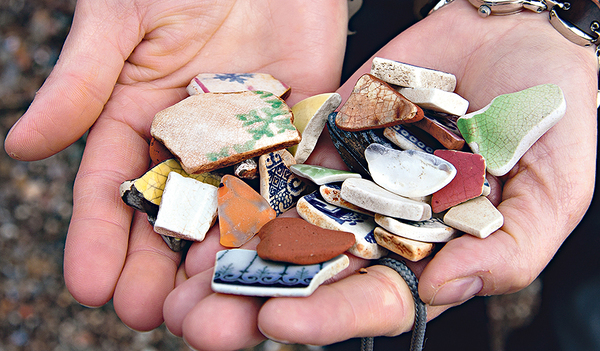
[405, 140]
[477, 217]
[278, 185]
[176, 244]
[235, 82]
[310, 116]
[188, 208]
[242, 272]
[468, 183]
[412, 250]
[212, 130]
[349, 149]
[158, 152]
[370, 196]
[247, 169]
[145, 193]
[441, 133]
[318, 212]
[332, 194]
[409, 76]
[506, 128]
[321, 175]
[432, 230]
[436, 100]
[408, 173]
[242, 211]
[374, 104]
[296, 241]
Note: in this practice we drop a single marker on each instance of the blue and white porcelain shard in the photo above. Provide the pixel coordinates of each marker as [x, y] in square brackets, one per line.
[347, 145]
[242, 272]
[405, 140]
[408, 173]
[433, 230]
[368, 195]
[318, 212]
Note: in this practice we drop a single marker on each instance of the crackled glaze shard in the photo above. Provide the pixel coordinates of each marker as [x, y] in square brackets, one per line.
[278, 184]
[432, 230]
[405, 140]
[409, 76]
[322, 175]
[374, 104]
[235, 82]
[412, 250]
[145, 193]
[318, 212]
[332, 194]
[212, 130]
[436, 100]
[188, 208]
[242, 272]
[408, 173]
[477, 217]
[370, 196]
[294, 240]
[242, 211]
[505, 129]
[441, 133]
[310, 116]
[468, 183]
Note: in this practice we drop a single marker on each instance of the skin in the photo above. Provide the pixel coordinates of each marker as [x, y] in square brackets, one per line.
[105, 77]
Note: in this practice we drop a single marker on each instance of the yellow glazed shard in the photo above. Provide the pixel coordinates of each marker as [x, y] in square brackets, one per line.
[152, 183]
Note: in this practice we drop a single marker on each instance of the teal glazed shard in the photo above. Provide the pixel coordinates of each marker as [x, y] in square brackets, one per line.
[505, 129]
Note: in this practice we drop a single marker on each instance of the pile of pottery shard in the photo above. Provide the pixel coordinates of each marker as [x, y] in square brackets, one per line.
[233, 151]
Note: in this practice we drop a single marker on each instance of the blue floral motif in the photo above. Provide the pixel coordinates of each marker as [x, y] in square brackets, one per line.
[233, 77]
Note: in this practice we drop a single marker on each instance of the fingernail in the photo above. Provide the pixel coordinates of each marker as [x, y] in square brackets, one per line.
[457, 290]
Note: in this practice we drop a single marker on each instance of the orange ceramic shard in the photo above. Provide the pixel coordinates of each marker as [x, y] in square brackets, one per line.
[158, 152]
[242, 211]
[374, 104]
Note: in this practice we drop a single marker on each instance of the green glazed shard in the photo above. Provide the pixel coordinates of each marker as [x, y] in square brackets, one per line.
[321, 175]
[505, 129]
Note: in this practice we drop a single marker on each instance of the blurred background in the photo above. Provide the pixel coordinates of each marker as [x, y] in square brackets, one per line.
[557, 312]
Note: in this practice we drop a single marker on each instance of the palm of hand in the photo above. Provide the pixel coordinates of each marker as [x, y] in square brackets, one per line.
[114, 74]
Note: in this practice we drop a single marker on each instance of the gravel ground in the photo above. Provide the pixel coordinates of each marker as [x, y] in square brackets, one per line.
[36, 310]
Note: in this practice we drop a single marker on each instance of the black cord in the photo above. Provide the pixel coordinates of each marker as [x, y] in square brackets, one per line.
[418, 334]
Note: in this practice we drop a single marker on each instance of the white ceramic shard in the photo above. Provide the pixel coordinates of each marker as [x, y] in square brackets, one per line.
[188, 208]
[370, 196]
[432, 230]
[408, 173]
[318, 212]
[332, 194]
[321, 175]
[235, 82]
[412, 250]
[405, 75]
[242, 272]
[310, 116]
[477, 217]
[437, 100]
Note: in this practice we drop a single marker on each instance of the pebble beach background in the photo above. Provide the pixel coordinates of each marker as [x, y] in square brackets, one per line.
[36, 310]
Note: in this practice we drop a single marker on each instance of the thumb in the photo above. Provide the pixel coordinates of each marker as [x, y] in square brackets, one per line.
[81, 82]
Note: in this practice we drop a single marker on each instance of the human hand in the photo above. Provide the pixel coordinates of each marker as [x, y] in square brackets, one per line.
[542, 198]
[123, 62]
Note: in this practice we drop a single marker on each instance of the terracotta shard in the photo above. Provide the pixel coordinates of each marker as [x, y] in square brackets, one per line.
[214, 130]
[158, 152]
[441, 133]
[242, 211]
[468, 183]
[374, 104]
[294, 240]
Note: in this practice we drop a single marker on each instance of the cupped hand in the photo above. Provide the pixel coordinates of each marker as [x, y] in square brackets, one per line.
[122, 62]
[542, 198]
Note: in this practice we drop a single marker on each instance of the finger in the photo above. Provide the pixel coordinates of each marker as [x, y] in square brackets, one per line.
[223, 322]
[147, 278]
[98, 234]
[80, 84]
[376, 303]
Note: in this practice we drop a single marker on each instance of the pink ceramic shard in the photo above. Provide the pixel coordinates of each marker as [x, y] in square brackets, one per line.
[466, 185]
